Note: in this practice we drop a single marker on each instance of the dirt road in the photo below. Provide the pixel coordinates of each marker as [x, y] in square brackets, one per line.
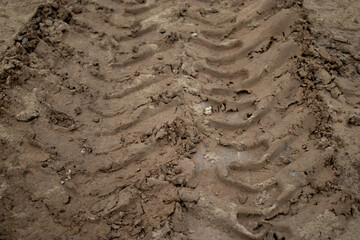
[164, 119]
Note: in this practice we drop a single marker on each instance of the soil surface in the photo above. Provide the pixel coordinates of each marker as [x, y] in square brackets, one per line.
[192, 119]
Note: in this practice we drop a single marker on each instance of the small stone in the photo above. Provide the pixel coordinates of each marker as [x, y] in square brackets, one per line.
[83, 151]
[162, 30]
[92, 219]
[96, 119]
[77, 10]
[54, 5]
[68, 174]
[115, 227]
[323, 143]
[194, 34]
[27, 115]
[285, 160]
[253, 24]
[208, 111]
[354, 120]
[358, 68]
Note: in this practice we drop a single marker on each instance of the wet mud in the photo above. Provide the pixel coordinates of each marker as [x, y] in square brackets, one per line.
[164, 119]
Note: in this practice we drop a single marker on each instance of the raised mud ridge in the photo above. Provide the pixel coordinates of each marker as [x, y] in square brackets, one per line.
[154, 119]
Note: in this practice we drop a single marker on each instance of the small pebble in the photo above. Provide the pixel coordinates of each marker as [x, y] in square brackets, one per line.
[253, 24]
[68, 174]
[96, 119]
[208, 111]
[77, 10]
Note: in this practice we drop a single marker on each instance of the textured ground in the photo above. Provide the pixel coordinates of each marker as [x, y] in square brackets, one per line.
[193, 119]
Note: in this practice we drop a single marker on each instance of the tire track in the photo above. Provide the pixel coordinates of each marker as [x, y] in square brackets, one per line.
[276, 26]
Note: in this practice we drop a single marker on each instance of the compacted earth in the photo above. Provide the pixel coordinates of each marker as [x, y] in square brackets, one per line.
[190, 119]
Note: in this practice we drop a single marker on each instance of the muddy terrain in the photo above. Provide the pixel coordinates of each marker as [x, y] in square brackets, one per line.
[191, 119]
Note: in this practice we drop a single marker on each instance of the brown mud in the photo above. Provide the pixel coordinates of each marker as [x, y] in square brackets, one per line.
[164, 119]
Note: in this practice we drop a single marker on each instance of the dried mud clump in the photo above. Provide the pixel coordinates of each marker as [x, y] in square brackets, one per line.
[16, 63]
